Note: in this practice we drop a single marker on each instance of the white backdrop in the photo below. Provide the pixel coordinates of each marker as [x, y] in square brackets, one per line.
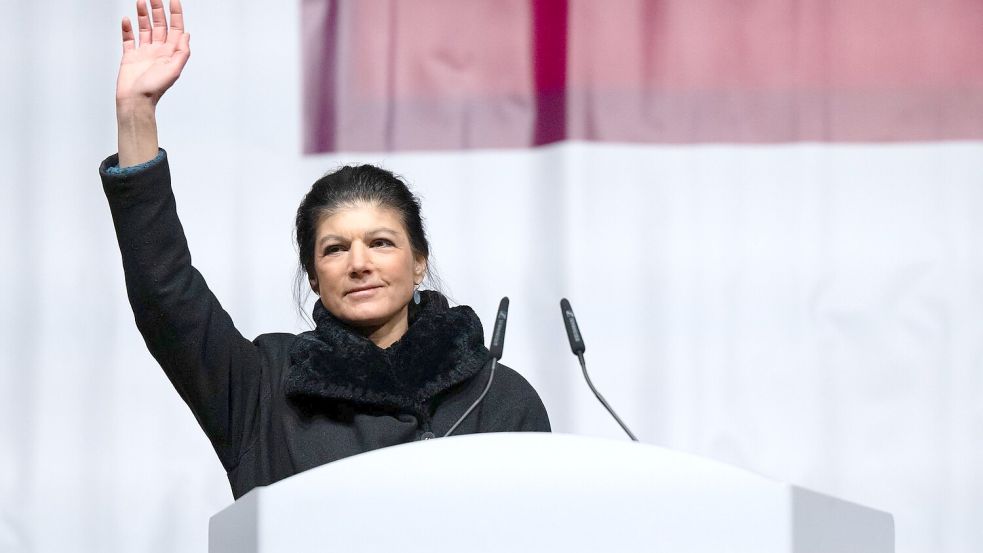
[812, 312]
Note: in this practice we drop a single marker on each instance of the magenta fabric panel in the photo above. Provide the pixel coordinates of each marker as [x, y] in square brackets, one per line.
[550, 32]
[451, 74]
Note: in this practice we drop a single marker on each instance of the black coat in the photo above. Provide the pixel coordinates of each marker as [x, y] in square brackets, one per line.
[284, 403]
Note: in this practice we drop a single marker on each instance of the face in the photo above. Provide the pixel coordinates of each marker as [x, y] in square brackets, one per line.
[365, 268]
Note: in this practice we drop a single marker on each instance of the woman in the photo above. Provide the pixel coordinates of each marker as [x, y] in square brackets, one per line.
[386, 363]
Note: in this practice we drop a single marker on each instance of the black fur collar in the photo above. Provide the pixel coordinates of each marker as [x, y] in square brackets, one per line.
[442, 347]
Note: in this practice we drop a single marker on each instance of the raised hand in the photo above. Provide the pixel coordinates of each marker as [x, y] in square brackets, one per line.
[150, 67]
[147, 70]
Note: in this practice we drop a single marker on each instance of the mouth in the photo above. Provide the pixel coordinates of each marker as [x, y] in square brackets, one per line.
[362, 291]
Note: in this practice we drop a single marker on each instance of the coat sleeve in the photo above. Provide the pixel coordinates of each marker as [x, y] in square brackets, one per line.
[215, 370]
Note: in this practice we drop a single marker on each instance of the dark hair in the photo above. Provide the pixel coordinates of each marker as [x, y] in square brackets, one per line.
[347, 187]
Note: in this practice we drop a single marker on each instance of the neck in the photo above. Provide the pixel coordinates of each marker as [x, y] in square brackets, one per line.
[389, 332]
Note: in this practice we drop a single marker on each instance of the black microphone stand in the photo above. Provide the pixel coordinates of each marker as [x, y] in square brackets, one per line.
[578, 348]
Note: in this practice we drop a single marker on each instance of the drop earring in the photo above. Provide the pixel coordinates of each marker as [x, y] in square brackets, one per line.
[416, 296]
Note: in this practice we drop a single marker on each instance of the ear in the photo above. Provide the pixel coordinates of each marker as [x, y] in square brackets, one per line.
[313, 281]
[419, 269]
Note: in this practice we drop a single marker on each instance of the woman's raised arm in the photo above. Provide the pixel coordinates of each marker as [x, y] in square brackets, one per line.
[215, 369]
[148, 68]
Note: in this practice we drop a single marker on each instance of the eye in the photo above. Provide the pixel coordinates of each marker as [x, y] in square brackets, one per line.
[333, 249]
[382, 242]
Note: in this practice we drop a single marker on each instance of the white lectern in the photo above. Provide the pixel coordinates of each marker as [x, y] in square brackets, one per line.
[543, 493]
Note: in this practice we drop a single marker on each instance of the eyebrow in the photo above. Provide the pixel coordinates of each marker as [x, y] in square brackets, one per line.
[379, 230]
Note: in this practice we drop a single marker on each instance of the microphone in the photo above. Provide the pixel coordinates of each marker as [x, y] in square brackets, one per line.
[497, 345]
[573, 331]
[578, 348]
[498, 334]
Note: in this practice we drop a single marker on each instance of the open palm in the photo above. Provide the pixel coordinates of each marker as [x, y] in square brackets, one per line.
[150, 67]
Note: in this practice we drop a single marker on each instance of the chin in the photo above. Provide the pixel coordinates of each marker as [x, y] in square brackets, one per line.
[369, 314]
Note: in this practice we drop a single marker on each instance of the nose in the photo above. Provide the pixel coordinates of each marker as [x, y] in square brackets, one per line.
[359, 260]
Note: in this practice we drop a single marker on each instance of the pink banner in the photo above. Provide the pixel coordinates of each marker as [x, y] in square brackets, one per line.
[451, 74]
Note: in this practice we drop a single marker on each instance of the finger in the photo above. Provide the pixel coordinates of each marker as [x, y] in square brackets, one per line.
[183, 50]
[159, 19]
[143, 21]
[177, 22]
[129, 41]
[177, 15]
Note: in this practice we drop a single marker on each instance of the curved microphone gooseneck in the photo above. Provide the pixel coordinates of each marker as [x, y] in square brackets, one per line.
[497, 346]
[578, 348]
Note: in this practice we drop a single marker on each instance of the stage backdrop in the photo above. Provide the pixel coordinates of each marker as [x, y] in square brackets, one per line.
[766, 214]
